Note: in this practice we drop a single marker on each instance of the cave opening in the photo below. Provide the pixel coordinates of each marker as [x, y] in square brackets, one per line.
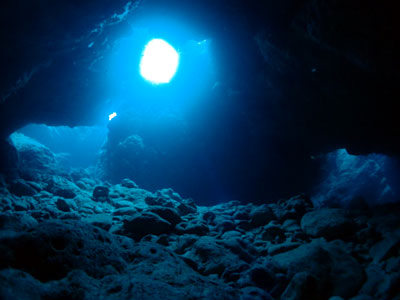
[159, 62]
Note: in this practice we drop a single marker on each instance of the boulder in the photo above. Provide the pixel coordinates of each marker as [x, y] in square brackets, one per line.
[129, 184]
[293, 208]
[158, 201]
[17, 284]
[187, 207]
[209, 217]
[20, 188]
[261, 215]
[225, 226]
[167, 213]
[52, 249]
[21, 205]
[125, 211]
[61, 186]
[330, 223]
[346, 274]
[386, 248]
[262, 277]
[169, 194]
[272, 232]
[33, 155]
[192, 227]
[146, 223]
[100, 193]
[240, 247]
[16, 221]
[65, 205]
[183, 242]
[118, 203]
[302, 286]
[379, 284]
[338, 273]
[210, 256]
[280, 248]
[103, 221]
[291, 225]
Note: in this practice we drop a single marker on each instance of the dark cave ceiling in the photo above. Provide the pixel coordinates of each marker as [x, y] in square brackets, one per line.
[320, 74]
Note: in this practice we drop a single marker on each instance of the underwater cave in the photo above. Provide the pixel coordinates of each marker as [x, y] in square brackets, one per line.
[199, 150]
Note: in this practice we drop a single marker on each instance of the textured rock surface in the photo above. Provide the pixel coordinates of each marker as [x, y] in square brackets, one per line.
[328, 222]
[84, 249]
[335, 271]
[356, 181]
[61, 240]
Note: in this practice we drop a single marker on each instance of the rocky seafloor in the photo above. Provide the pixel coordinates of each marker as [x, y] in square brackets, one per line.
[71, 236]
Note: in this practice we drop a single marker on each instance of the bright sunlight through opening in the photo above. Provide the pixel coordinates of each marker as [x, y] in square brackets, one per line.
[159, 62]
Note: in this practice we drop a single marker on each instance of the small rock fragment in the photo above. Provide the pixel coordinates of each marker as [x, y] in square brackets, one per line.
[261, 215]
[129, 184]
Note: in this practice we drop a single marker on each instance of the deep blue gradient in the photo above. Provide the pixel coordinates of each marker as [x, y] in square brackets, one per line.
[80, 145]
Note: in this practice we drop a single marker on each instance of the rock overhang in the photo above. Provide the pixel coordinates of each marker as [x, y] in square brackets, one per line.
[299, 83]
